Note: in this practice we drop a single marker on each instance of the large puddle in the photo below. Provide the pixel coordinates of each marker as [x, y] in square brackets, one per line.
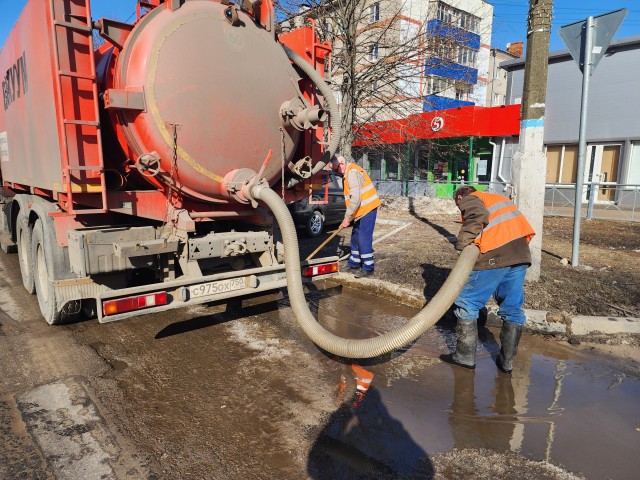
[574, 412]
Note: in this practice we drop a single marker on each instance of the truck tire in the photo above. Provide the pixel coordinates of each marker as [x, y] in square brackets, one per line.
[315, 224]
[23, 240]
[43, 261]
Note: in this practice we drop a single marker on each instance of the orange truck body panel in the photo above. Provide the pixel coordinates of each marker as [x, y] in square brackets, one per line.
[28, 119]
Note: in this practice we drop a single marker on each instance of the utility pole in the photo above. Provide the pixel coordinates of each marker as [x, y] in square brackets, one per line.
[529, 164]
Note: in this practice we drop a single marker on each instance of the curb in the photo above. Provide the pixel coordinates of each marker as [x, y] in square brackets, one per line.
[583, 325]
[538, 321]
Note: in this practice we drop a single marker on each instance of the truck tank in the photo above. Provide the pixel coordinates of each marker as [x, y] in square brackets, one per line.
[187, 93]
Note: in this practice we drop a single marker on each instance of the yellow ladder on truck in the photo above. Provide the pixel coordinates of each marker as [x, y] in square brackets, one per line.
[78, 111]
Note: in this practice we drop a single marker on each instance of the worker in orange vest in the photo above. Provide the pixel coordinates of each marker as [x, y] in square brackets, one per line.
[362, 204]
[502, 233]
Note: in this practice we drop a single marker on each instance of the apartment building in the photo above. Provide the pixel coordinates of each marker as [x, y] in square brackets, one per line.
[456, 72]
[395, 59]
[497, 75]
[401, 57]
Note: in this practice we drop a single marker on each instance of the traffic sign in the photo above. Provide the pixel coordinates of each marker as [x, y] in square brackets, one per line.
[604, 28]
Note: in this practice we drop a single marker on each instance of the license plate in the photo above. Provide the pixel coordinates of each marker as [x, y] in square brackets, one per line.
[221, 286]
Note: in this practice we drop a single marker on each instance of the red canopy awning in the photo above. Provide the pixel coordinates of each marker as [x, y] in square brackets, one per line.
[454, 122]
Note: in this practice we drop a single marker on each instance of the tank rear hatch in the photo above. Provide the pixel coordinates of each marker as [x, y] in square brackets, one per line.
[209, 95]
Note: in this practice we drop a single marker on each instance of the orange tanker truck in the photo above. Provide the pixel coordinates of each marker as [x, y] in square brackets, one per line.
[153, 172]
[130, 172]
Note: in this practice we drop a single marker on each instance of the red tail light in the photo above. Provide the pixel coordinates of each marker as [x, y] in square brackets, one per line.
[322, 269]
[122, 305]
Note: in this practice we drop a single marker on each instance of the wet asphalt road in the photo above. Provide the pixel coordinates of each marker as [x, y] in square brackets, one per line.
[224, 393]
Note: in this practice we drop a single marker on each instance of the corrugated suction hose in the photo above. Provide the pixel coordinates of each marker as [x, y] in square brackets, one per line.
[355, 348]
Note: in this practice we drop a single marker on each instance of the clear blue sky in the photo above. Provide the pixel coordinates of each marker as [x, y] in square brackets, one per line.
[509, 24]
[510, 18]
[116, 9]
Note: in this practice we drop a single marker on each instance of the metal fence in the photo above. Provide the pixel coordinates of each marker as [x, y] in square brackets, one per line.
[602, 201]
[423, 188]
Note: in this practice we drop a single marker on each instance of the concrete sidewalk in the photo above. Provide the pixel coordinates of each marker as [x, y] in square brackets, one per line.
[538, 321]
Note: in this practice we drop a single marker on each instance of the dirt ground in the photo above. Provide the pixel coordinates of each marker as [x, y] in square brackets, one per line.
[228, 393]
[607, 283]
[219, 392]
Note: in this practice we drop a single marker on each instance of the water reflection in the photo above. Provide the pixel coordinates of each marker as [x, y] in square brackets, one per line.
[554, 407]
[563, 405]
[362, 441]
[469, 427]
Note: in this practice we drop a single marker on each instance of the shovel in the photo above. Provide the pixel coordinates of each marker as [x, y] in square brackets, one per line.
[323, 244]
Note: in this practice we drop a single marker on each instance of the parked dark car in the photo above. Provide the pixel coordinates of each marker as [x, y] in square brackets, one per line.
[312, 217]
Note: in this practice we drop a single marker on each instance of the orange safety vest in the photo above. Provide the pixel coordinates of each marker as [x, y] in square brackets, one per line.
[368, 196]
[363, 378]
[506, 223]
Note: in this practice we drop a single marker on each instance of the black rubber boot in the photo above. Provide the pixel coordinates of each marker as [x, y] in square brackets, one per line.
[509, 339]
[465, 354]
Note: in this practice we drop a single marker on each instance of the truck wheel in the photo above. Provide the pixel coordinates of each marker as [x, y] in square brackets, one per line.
[42, 254]
[23, 238]
[315, 224]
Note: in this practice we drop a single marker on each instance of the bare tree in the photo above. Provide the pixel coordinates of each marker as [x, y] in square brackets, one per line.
[379, 57]
[376, 56]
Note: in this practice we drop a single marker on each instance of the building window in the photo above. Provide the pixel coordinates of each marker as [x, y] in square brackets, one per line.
[496, 99]
[457, 18]
[562, 163]
[554, 163]
[634, 168]
[445, 13]
[375, 166]
[374, 86]
[467, 56]
[446, 51]
[437, 85]
[373, 53]
[391, 169]
[469, 22]
[374, 12]
[463, 92]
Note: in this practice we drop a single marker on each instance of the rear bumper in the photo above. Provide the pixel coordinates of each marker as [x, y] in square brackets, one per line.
[258, 280]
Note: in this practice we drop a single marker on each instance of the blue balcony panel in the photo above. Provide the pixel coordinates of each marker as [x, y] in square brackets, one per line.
[442, 68]
[435, 28]
[435, 102]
